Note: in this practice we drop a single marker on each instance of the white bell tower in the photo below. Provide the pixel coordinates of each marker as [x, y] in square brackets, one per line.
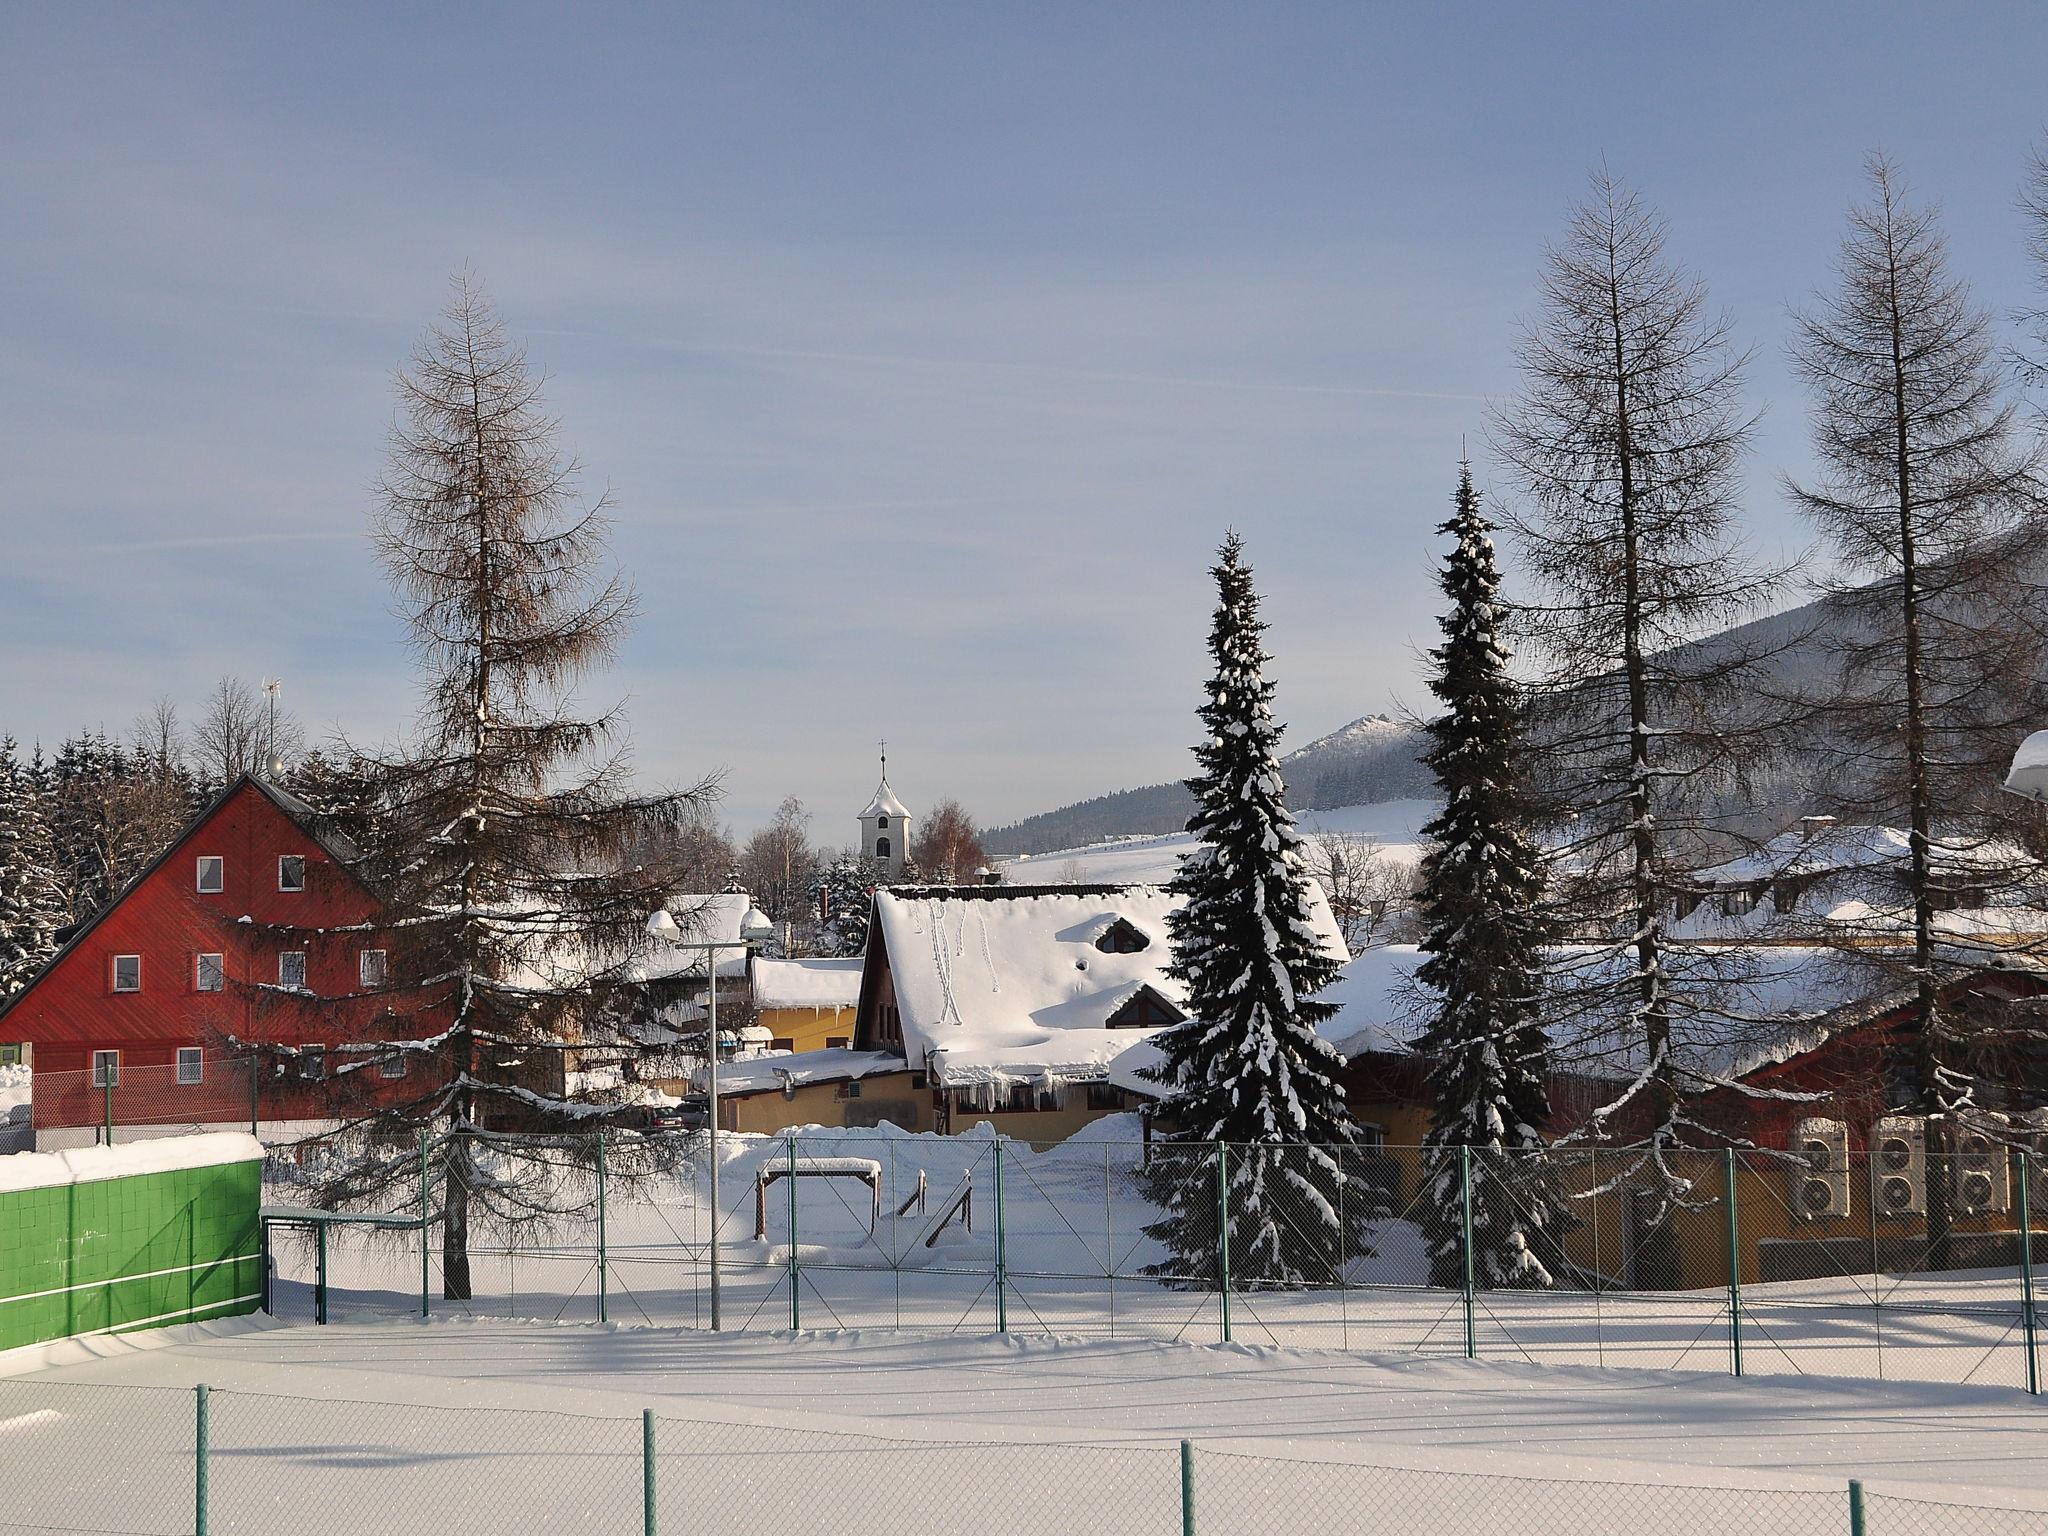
[885, 827]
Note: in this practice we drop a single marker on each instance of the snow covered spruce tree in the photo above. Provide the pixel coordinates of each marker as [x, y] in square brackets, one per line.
[1247, 1069]
[497, 844]
[31, 902]
[1627, 439]
[842, 894]
[1482, 886]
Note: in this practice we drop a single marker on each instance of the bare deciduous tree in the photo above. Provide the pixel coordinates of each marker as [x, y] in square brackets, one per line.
[1372, 894]
[1626, 440]
[947, 845]
[241, 731]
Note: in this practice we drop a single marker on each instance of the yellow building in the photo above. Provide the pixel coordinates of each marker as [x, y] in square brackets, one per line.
[807, 1005]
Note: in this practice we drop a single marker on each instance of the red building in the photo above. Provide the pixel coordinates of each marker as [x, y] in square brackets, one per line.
[227, 982]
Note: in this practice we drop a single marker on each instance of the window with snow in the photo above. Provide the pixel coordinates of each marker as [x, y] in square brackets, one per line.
[394, 1065]
[127, 973]
[1123, 937]
[191, 1064]
[291, 970]
[212, 873]
[1739, 902]
[291, 872]
[106, 1069]
[1144, 1009]
[209, 973]
[370, 969]
[313, 1062]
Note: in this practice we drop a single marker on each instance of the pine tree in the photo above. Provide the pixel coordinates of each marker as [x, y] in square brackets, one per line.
[31, 906]
[1482, 885]
[1247, 1068]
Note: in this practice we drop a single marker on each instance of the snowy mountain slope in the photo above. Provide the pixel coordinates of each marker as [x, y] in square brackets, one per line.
[1370, 760]
[1393, 824]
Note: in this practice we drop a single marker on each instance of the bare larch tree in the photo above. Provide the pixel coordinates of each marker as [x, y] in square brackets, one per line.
[500, 847]
[1626, 442]
[1927, 497]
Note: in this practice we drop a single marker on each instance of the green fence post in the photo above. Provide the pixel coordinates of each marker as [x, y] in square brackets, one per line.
[1223, 1232]
[200, 1457]
[426, 1195]
[1187, 1488]
[1855, 1506]
[1734, 1262]
[1465, 1230]
[319, 1271]
[647, 1471]
[1002, 1253]
[795, 1302]
[2027, 1277]
[603, 1316]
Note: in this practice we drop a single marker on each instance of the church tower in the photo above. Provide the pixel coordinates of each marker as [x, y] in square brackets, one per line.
[885, 828]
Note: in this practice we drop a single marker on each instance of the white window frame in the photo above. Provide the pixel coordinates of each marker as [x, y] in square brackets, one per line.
[284, 859]
[220, 870]
[220, 973]
[116, 978]
[394, 1066]
[291, 986]
[101, 1061]
[191, 1067]
[364, 980]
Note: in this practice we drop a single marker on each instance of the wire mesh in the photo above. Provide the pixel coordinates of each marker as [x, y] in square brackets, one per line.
[91, 1457]
[1759, 1263]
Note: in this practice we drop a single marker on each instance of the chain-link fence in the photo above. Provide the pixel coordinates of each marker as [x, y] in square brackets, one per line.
[165, 1461]
[117, 1102]
[1753, 1263]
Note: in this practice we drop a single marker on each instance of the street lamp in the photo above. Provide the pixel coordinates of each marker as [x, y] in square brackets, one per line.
[755, 928]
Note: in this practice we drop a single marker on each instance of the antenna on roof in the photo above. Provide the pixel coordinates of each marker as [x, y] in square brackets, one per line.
[273, 687]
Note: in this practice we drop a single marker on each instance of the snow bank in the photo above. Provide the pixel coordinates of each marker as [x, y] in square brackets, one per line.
[88, 1165]
[2029, 775]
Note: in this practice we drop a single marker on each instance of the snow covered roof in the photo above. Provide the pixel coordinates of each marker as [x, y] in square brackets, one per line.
[885, 802]
[1005, 983]
[771, 1069]
[807, 983]
[2029, 775]
[1836, 849]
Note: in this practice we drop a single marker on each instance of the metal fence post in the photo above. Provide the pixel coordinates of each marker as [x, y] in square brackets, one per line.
[200, 1457]
[1855, 1506]
[255, 1091]
[1187, 1488]
[1465, 1231]
[795, 1301]
[2027, 1321]
[107, 1105]
[1734, 1262]
[647, 1471]
[603, 1316]
[1223, 1232]
[1002, 1253]
[426, 1195]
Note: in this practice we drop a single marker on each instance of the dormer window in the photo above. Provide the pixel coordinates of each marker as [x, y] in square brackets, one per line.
[1144, 1009]
[1123, 937]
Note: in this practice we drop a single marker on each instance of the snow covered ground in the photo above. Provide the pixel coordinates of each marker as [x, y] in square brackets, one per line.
[1074, 1256]
[1395, 825]
[401, 1427]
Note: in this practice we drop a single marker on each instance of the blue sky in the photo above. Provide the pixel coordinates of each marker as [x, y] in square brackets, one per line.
[927, 350]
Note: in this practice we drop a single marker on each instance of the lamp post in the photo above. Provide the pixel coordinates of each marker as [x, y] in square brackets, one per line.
[755, 928]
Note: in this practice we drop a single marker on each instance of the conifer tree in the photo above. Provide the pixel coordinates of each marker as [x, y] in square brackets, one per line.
[1482, 885]
[842, 896]
[31, 906]
[1247, 1068]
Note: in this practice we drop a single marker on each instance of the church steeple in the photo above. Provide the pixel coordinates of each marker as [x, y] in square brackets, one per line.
[885, 827]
